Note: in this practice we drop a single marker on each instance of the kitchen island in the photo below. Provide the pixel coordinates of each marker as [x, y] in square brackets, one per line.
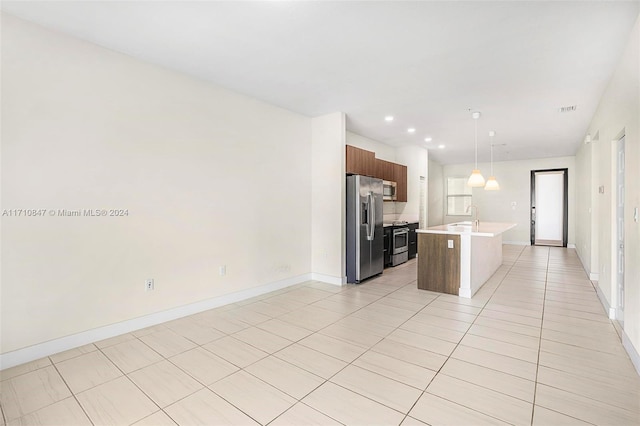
[459, 258]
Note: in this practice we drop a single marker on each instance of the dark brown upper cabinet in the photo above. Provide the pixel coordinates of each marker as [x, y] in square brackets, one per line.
[400, 178]
[362, 162]
[385, 170]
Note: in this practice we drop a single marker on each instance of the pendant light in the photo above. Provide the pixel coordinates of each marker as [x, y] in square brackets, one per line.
[476, 180]
[492, 183]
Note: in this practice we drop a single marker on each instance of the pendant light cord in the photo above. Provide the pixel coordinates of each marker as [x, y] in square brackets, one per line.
[476, 123]
[491, 155]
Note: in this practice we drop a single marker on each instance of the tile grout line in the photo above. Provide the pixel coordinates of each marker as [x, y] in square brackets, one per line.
[328, 380]
[4, 418]
[458, 344]
[131, 380]
[370, 348]
[249, 325]
[161, 409]
[561, 389]
[299, 400]
[355, 359]
[544, 303]
[70, 391]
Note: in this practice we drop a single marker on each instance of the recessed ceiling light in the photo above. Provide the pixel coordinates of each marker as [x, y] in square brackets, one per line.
[411, 130]
[441, 146]
[428, 139]
[388, 118]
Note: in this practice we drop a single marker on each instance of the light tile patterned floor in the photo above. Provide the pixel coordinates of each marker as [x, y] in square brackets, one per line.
[533, 347]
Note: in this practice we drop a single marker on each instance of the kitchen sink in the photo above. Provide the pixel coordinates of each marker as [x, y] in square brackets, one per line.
[460, 226]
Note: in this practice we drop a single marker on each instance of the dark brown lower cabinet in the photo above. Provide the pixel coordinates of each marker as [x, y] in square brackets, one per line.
[439, 265]
[413, 240]
[388, 236]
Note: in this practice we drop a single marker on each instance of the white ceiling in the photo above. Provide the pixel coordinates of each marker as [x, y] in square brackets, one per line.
[425, 63]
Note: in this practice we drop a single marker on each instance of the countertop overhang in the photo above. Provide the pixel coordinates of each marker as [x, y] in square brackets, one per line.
[485, 229]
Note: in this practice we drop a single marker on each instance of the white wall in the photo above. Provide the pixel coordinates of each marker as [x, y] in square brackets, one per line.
[209, 178]
[328, 198]
[618, 114]
[417, 161]
[436, 194]
[514, 178]
[584, 211]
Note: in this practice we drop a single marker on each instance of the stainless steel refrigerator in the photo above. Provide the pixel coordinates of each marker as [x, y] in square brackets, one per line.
[365, 234]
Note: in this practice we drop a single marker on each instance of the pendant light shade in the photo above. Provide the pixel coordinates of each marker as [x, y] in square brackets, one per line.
[492, 183]
[476, 180]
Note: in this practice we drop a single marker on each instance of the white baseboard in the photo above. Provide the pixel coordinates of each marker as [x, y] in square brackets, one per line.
[40, 350]
[528, 243]
[632, 351]
[611, 312]
[593, 276]
[464, 292]
[329, 279]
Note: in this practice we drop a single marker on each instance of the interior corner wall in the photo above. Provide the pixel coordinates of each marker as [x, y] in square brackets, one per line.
[207, 178]
[514, 178]
[328, 198]
[618, 114]
[584, 210]
[436, 194]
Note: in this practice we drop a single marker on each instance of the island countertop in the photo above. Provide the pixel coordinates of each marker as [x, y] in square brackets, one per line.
[485, 229]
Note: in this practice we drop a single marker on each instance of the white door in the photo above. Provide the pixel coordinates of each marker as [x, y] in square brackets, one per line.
[549, 208]
[620, 230]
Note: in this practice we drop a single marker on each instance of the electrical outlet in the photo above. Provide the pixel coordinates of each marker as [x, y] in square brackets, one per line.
[450, 243]
[148, 284]
[223, 270]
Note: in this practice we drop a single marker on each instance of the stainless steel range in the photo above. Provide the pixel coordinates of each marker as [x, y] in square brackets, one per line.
[399, 243]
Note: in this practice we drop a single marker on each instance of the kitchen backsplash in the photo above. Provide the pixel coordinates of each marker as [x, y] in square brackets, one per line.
[390, 215]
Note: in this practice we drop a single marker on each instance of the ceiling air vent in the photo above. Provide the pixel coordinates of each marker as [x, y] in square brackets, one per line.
[569, 108]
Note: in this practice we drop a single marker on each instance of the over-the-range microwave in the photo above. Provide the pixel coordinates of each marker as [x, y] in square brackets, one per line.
[388, 190]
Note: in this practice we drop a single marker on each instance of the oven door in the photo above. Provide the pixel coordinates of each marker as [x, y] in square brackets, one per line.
[400, 240]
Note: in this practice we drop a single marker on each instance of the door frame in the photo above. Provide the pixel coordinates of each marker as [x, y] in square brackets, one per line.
[619, 144]
[565, 205]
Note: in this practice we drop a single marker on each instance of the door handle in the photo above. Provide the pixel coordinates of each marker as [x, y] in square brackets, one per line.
[372, 206]
[370, 217]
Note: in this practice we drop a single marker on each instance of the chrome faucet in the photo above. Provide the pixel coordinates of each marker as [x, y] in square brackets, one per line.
[476, 222]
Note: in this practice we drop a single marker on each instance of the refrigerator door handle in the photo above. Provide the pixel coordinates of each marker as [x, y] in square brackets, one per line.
[372, 206]
[368, 217]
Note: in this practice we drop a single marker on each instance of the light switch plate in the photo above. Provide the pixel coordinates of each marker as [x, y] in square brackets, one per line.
[635, 214]
[450, 243]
